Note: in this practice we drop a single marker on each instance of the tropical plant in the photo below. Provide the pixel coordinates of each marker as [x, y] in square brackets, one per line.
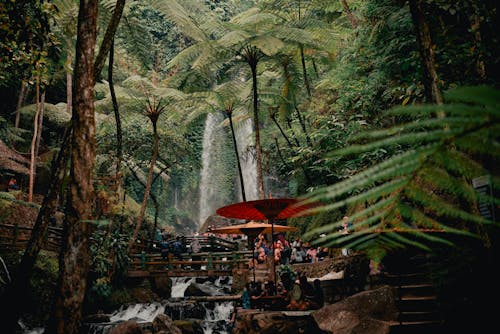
[424, 192]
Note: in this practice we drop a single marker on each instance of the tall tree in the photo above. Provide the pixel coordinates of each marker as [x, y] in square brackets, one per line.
[109, 36]
[75, 255]
[426, 50]
[153, 110]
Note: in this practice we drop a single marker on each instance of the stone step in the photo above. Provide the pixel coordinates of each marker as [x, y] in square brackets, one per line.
[419, 316]
[417, 327]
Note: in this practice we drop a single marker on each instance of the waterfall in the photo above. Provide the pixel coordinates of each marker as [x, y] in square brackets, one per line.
[246, 150]
[212, 191]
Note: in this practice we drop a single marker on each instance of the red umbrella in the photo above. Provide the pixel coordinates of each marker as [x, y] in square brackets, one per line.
[266, 209]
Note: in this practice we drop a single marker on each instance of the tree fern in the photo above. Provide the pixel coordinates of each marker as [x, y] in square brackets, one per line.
[423, 193]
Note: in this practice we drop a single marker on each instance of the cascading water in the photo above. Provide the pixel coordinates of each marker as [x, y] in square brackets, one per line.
[213, 177]
[213, 317]
[219, 175]
[246, 150]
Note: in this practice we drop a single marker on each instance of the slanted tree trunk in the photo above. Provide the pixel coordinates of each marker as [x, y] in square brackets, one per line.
[119, 136]
[33, 142]
[304, 71]
[352, 19]
[109, 36]
[153, 111]
[229, 113]
[75, 254]
[427, 56]
[19, 288]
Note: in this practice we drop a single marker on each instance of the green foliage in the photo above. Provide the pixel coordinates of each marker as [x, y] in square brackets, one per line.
[423, 192]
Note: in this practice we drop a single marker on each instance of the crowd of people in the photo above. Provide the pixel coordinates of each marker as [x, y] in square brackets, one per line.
[300, 296]
[286, 252]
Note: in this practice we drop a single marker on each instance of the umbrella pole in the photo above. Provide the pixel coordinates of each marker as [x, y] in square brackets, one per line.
[274, 263]
[251, 246]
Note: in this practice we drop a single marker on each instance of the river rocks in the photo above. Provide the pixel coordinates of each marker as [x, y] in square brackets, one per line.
[189, 326]
[368, 312]
[162, 324]
[194, 290]
[127, 327]
[96, 318]
[183, 309]
[162, 286]
[253, 322]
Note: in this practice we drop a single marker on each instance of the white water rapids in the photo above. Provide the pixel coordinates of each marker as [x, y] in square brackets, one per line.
[216, 314]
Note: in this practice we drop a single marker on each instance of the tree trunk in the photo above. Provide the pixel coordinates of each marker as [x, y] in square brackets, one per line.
[74, 259]
[289, 143]
[258, 149]
[304, 71]
[69, 84]
[153, 197]
[476, 30]
[20, 100]
[19, 288]
[148, 187]
[350, 15]
[303, 126]
[426, 51]
[242, 184]
[109, 36]
[33, 142]
[117, 115]
[40, 124]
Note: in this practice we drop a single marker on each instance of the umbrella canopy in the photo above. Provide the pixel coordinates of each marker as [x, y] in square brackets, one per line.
[265, 209]
[252, 228]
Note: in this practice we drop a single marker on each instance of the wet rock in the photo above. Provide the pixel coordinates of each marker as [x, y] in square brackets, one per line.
[163, 323]
[97, 318]
[189, 326]
[368, 312]
[276, 323]
[194, 290]
[162, 286]
[127, 327]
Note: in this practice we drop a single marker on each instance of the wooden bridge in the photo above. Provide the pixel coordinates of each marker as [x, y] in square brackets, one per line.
[189, 265]
[218, 256]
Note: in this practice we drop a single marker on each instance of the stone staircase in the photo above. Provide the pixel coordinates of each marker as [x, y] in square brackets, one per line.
[418, 304]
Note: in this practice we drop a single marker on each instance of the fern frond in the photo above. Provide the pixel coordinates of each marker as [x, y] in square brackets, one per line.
[420, 124]
[172, 10]
[440, 207]
[372, 174]
[424, 137]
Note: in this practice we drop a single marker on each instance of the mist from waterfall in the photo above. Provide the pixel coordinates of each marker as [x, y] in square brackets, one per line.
[218, 186]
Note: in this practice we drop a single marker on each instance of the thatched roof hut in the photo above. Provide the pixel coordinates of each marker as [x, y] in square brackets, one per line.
[12, 161]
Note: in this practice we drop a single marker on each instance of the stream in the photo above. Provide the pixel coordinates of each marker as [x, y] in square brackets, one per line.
[213, 317]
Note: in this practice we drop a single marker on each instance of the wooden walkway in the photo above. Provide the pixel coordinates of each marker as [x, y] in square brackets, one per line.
[190, 265]
[219, 256]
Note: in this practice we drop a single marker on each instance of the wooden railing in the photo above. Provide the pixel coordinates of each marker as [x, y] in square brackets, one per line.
[16, 236]
[189, 265]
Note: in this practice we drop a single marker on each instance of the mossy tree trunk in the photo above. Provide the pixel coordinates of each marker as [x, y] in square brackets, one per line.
[74, 259]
